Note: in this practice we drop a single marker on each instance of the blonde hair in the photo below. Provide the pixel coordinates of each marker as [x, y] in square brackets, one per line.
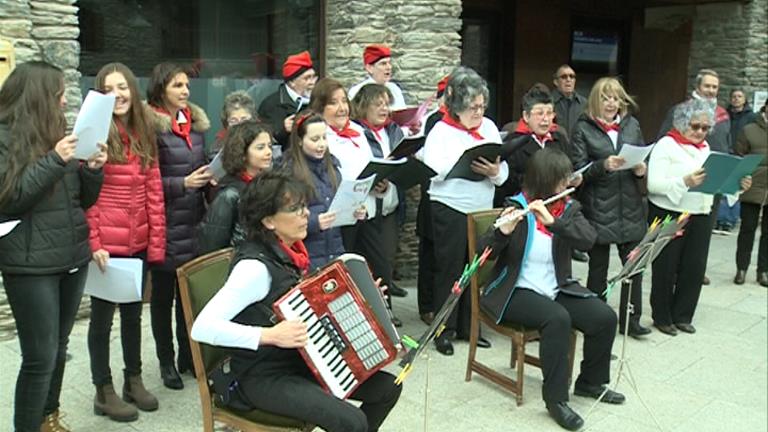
[608, 86]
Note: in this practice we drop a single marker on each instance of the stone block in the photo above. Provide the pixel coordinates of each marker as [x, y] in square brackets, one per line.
[64, 54]
[56, 32]
[59, 7]
[41, 17]
[14, 9]
[15, 28]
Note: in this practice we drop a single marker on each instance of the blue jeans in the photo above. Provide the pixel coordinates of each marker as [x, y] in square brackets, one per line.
[728, 215]
[44, 307]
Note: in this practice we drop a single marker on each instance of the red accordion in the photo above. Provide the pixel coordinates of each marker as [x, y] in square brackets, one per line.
[351, 335]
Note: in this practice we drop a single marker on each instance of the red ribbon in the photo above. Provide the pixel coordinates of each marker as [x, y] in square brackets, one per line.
[297, 253]
[450, 121]
[682, 140]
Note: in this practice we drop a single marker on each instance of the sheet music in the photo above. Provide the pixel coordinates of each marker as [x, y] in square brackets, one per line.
[634, 155]
[350, 196]
[120, 283]
[7, 227]
[92, 124]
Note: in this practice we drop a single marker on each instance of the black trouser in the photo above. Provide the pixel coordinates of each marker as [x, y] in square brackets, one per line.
[164, 290]
[599, 258]
[44, 308]
[376, 240]
[554, 319]
[296, 394]
[678, 271]
[427, 274]
[750, 214]
[100, 328]
[449, 229]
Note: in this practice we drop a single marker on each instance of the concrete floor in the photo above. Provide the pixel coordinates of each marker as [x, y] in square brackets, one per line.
[715, 380]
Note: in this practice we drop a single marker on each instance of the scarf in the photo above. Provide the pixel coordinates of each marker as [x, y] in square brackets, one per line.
[375, 129]
[607, 127]
[682, 140]
[182, 130]
[297, 253]
[450, 121]
[346, 132]
[247, 178]
[524, 129]
[556, 209]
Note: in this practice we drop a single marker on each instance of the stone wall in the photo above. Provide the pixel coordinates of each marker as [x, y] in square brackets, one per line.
[46, 30]
[425, 42]
[731, 38]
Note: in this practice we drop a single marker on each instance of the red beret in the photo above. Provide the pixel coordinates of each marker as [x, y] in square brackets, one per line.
[374, 53]
[296, 65]
[441, 85]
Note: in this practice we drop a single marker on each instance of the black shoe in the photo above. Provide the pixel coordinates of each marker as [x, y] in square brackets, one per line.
[579, 256]
[171, 377]
[481, 341]
[666, 329]
[396, 291]
[397, 322]
[185, 367]
[685, 327]
[427, 317]
[594, 392]
[705, 280]
[636, 330]
[762, 278]
[444, 345]
[740, 278]
[565, 416]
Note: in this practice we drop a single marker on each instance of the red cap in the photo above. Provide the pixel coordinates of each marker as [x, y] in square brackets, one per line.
[441, 85]
[296, 65]
[374, 53]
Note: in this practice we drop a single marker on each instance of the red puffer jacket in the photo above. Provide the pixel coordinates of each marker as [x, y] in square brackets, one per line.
[129, 216]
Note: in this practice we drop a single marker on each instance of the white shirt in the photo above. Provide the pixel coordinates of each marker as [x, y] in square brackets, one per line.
[444, 146]
[398, 100]
[668, 164]
[248, 283]
[303, 100]
[538, 270]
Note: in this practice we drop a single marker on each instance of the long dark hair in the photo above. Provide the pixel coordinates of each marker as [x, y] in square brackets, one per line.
[30, 108]
[296, 158]
[140, 132]
[545, 170]
[162, 75]
[264, 197]
[234, 153]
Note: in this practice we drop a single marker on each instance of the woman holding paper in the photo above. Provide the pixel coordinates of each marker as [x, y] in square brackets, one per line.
[181, 154]
[247, 152]
[674, 168]
[612, 194]
[462, 127]
[127, 221]
[44, 260]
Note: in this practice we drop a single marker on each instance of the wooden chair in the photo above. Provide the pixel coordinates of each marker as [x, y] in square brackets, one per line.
[199, 280]
[477, 224]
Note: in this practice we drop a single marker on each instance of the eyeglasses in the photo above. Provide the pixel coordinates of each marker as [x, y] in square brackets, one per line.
[567, 76]
[477, 108]
[232, 121]
[297, 208]
[542, 113]
[700, 127]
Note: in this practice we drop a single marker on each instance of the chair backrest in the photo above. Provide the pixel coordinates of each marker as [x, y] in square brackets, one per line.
[199, 280]
[477, 225]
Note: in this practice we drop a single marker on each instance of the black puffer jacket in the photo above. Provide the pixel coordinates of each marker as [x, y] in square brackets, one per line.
[49, 199]
[184, 209]
[612, 201]
[221, 226]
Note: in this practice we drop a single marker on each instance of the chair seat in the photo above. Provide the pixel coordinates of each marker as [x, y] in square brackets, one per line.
[264, 418]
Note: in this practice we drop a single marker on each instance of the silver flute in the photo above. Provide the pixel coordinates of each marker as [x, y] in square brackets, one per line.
[522, 212]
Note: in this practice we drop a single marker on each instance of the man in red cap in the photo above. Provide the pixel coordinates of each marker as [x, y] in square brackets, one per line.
[378, 63]
[279, 109]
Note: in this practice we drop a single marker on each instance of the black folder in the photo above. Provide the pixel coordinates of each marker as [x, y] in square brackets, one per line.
[463, 167]
[403, 172]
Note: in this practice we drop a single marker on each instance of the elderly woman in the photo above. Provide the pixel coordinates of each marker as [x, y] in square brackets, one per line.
[271, 374]
[612, 198]
[674, 168]
[753, 140]
[238, 107]
[247, 153]
[462, 127]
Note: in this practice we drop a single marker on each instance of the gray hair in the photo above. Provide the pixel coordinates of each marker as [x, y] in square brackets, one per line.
[705, 72]
[238, 99]
[464, 85]
[693, 108]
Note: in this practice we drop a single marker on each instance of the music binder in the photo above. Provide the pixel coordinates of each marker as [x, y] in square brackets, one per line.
[725, 171]
[403, 172]
[408, 147]
[463, 167]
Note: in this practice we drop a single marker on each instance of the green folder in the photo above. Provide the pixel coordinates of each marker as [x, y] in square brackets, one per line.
[725, 171]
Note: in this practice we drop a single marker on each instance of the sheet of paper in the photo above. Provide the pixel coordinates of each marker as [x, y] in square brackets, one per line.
[633, 155]
[580, 171]
[92, 124]
[349, 197]
[7, 227]
[216, 167]
[120, 283]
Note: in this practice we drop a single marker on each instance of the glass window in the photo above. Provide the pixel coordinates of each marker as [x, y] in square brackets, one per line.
[232, 45]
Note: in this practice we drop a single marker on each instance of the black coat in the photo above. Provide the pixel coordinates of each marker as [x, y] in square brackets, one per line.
[569, 231]
[221, 226]
[184, 208]
[612, 201]
[50, 199]
[274, 110]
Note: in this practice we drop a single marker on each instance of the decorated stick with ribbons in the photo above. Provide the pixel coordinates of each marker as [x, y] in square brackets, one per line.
[438, 324]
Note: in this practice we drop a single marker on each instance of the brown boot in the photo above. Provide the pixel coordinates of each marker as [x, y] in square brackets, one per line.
[135, 393]
[52, 423]
[107, 403]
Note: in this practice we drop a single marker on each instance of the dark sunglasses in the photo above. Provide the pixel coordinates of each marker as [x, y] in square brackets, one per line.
[700, 127]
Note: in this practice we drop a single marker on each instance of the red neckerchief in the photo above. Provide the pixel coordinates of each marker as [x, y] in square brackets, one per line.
[180, 130]
[124, 138]
[680, 139]
[375, 129]
[607, 127]
[297, 253]
[220, 135]
[524, 129]
[347, 132]
[556, 209]
[247, 178]
[450, 121]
